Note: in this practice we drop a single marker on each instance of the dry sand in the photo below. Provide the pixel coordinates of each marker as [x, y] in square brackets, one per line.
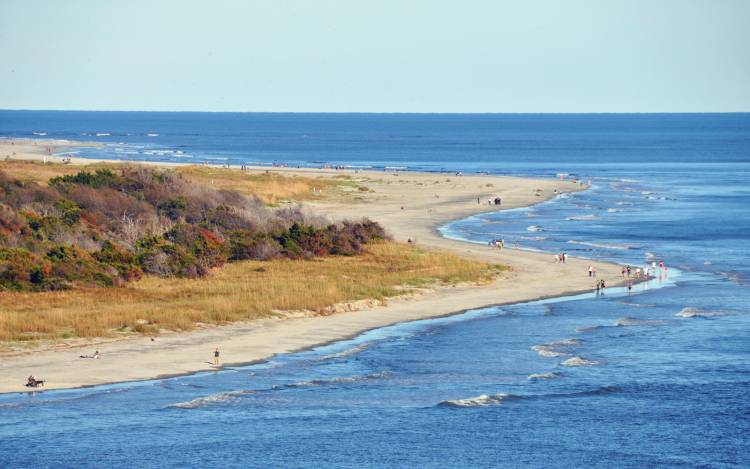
[428, 200]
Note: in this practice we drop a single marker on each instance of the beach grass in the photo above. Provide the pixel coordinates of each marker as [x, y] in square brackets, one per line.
[270, 187]
[238, 291]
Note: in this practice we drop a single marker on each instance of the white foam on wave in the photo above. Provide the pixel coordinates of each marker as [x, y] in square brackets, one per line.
[534, 228]
[483, 400]
[629, 321]
[558, 348]
[548, 375]
[583, 218]
[213, 399]
[338, 380]
[691, 312]
[545, 351]
[579, 361]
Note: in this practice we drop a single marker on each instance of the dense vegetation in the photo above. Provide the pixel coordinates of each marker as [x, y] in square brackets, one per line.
[107, 227]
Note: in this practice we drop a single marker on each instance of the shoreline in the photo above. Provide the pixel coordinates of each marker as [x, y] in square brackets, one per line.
[404, 206]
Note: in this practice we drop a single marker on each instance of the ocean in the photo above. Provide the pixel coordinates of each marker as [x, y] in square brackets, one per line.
[656, 377]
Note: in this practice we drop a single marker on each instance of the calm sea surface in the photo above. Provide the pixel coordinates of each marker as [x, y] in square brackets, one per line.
[656, 378]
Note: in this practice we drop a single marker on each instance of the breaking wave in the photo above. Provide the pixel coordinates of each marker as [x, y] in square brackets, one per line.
[486, 400]
[579, 361]
[324, 382]
[548, 375]
[213, 399]
[479, 401]
[691, 312]
[583, 218]
[556, 348]
[628, 321]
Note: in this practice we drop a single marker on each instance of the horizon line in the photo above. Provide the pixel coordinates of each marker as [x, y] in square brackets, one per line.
[385, 112]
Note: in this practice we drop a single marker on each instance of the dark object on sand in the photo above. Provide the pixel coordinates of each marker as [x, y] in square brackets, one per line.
[34, 383]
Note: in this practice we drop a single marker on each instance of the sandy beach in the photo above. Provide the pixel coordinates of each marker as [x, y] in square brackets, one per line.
[409, 205]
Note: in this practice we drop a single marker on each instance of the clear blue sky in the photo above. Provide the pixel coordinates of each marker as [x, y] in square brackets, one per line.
[377, 55]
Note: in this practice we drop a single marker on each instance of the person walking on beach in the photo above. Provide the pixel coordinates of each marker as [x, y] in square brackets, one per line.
[623, 272]
[216, 356]
[591, 270]
[565, 258]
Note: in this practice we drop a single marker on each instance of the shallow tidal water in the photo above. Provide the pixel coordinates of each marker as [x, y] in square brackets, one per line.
[657, 377]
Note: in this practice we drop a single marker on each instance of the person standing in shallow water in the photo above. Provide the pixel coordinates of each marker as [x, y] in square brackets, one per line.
[216, 356]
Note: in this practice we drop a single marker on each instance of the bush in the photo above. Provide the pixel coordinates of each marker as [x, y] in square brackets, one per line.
[110, 226]
[99, 178]
[71, 212]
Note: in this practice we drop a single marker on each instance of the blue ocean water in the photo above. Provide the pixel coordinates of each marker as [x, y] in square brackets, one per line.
[658, 377]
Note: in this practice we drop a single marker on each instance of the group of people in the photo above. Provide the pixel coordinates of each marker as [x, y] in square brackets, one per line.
[495, 201]
[646, 272]
[497, 243]
[561, 258]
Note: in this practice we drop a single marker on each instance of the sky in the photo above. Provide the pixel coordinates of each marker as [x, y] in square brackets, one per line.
[376, 56]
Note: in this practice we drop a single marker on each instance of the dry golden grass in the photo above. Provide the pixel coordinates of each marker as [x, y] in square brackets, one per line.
[272, 188]
[238, 291]
[36, 171]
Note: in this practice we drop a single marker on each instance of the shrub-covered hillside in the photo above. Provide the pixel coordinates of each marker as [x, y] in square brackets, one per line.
[107, 227]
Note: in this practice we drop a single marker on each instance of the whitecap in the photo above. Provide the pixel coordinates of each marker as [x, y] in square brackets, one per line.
[579, 361]
[534, 228]
[545, 351]
[628, 321]
[556, 348]
[479, 401]
[338, 380]
[218, 398]
[548, 375]
[691, 312]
